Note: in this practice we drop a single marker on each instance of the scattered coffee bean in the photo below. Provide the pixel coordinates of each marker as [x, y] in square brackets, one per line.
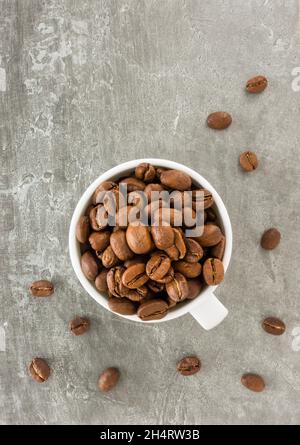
[42, 288]
[253, 382]
[39, 370]
[83, 229]
[108, 379]
[219, 120]
[273, 326]
[213, 271]
[248, 161]
[257, 84]
[79, 325]
[189, 365]
[153, 309]
[270, 239]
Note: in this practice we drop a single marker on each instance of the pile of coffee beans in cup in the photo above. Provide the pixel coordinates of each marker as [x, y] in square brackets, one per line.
[148, 252]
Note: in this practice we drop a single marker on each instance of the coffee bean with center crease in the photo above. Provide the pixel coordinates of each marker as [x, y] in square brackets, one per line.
[108, 379]
[119, 245]
[218, 250]
[39, 370]
[158, 266]
[42, 288]
[178, 250]
[138, 238]
[89, 266]
[202, 199]
[270, 239]
[100, 281]
[213, 271]
[253, 382]
[178, 289]
[194, 251]
[83, 229]
[189, 365]
[248, 161]
[99, 240]
[121, 306]
[195, 287]
[167, 278]
[145, 172]
[211, 235]
[273, 325]
[79, 325]
[175, 179]
[219, 120]
[256, 85]
[163, 236]
[135, 276]
[153, 309]
[189, 270]
[114, 282]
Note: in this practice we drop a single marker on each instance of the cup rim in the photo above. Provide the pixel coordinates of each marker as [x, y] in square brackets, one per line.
[81, 206]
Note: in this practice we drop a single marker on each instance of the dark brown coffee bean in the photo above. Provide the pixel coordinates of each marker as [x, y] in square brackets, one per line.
[115, 283]
[42, 288]
[248, 161]
[189, 270]
[163, 236]
[211, 235]
[99, 240]
[213, 271]
[39, 370]
[202, 199]
[138, 238]
[119, 245]
[135, 276]
[153, 188]
[270, 239]
[176, 179]
[189, 365]
[100, 281]
[108, 379]
[101, 189]
[155, 287]
[122, 306]
[145, 172]
[253, 382]
[158, 266]
[273, 326]
[195, 287]
[133, 184]
[79, 325]
[109, 258]
[257, 84]
[194, 251]
[219, 120]
[98, 218]
[153, 309]
[218, 250]
[89, 266]
[177, 289]
[83, 229]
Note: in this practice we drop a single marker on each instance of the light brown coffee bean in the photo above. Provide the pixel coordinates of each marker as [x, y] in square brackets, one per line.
[42, 288]
[253, 382]
[256, 85]
[219, 120]
[270, 239]
[194, 251]
[211, 235]
[189, 270]
[100, 281]
[133, 184]
[98, 218]
[274, 326]
[167, 278]
[163, 236]
[119, 245]
[101, 189]
[218, 250]
[145, 172]
[202, 199]
[135, 276]
[195, 287]
[39, 370]
[79, 325]
[177, 289]
[83, 229]
[115, 283]
[122, 306]
[213, 271]
[248, 161]
[99, 240]
[189, 365]
[153, 310]
[153, 188]
[109, 258]
[89, 266]
[176, 179]
[159, 171]
[179, 249]
[158, 266]
[108, 379]
[138, 238]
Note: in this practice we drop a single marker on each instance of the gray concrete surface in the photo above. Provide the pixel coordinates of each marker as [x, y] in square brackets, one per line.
[85, 85]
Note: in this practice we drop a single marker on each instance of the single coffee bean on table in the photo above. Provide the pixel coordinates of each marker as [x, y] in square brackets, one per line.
[189, 365]
[79, 325]
[42, 288]
[253, 382]
[256, 84]
[108, 379]
[219, 120]
[248, 161]
[39, 370]
[273, 326]
[270, 239]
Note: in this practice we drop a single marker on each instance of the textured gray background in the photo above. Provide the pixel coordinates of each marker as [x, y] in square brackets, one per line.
[90, 84]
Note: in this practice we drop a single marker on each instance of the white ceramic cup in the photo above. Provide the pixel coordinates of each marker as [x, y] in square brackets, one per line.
[205, 308]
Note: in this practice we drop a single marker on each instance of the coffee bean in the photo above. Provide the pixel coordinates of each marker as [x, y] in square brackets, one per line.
[100, 281]
[79, 325]
[121, 306]
[98, 218]
[257, 84]
[163, 236]
[248, 161]
[177, 289]
[119, 245]
[202, 198]
[135, 276]
[218, 250]
[211, 235]
[115, 283]
[189, 365]
[104, 187]
[138, 238]
[99, 240]
[145, 172]
[189, 270]
[39, 370]
[153, 188]
[42, 288]
[178, 250]
[133, 184]
[83, 229]
[270, 239]
[210, 215]
[166, 278]
[195, 287]
[153, 310]
[219, 120]
[213, 271]
[159, 171]
[155, 287]
[175, 179]
[273, 326]
[89, 266]
[109, 258]
[137, 259]
[253, 382]
[158, 266]
[108, 379]
[194, 251]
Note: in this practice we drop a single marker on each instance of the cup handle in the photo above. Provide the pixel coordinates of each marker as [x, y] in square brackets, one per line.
[209, 312]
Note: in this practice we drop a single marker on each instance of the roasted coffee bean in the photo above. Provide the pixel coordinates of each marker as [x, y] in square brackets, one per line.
[211, 236]
[122, 306]
[253, 382]
[109, 258]
[42, 288]
[39, 370]
[163, 236]
[115, 283]
[89, 266]
[138, 295]
[79, 325]
[248, 161]
[98, 218]
[145, 172]
[153, 309]
[189, 365]
[159, 171]
[175, 179]
[104, 187]
[202, 199]
[138, 238]
[178, 289]
[136, 260]
[218, 250]
[99, 240]
[150, 188]
[119, 245]
[133, 184]
[158, 266]
[178, 250]
[135, 276]
[195, 287]
[210, 215]
[213, 271]
[100, 281]
[194, 251]
[257, 84]
[270, 239]
[189, 270]
[273, 326]
[219, 120]
[108, 379]
[155, 287]
[167, 278]
[83, 229]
